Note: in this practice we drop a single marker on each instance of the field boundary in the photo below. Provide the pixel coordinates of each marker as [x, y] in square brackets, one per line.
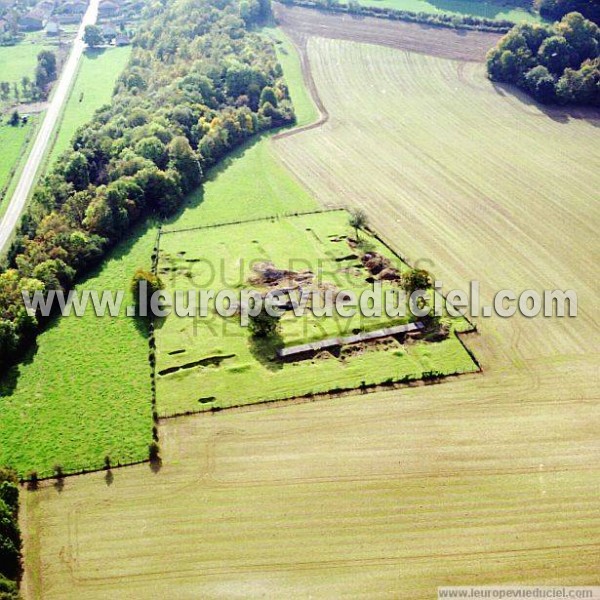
[317, 211]
[31, 483]
[301, 45]
[383, 241]
[152, 342]
[427, 378]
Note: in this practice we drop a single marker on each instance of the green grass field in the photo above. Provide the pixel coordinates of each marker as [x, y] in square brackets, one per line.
[223, 258]
[103, 405]
[476, 8]
[19, 61]
[12, 141]
[72, 402]
[92, 89]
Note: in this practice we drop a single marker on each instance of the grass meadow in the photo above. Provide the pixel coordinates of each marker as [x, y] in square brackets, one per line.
[304, 106]
[12, 143]
[92, 89]
[84, 392]
[20, 60]
[228, 368]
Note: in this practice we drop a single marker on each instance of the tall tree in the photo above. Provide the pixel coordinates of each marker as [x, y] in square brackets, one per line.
[92, 36]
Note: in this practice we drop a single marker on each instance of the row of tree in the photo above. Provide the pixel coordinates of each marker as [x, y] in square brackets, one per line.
[10, 535]
[554, 64]
[199, 83]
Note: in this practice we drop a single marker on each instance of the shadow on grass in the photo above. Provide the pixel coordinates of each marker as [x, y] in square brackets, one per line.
[264, 350]
[10, 379]
[196, 198]
[559, 114]
[59, 484]
[94, 53]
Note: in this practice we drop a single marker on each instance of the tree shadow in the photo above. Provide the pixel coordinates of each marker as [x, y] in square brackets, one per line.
[559, 114]
[94, 53]
[142, 325]
[109, 478]
[10, 377]
[59, 484]
[156, 464]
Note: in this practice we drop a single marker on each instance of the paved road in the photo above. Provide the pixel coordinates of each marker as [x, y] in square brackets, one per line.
[59, 98]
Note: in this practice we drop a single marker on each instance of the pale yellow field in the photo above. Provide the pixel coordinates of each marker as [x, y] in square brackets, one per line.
[464, 176]
[490, 478]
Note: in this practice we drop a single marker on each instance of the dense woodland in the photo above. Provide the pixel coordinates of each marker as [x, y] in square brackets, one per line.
[555, 10]
[191, 92]
[558, 64]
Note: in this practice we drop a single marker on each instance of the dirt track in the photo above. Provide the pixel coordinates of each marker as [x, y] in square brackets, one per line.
[301, 23]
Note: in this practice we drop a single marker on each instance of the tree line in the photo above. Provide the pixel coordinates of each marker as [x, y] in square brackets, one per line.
[199, 83]
[454, 21]
[557, 64]
[555, 10]
[10, 535]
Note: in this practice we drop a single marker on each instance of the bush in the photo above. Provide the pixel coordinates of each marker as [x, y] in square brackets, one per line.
[143, 285]
[540, 84]
[8, 589]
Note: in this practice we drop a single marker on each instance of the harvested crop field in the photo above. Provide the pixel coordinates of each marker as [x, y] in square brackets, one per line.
[458, 171]
[301, 23]
[384, 495]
